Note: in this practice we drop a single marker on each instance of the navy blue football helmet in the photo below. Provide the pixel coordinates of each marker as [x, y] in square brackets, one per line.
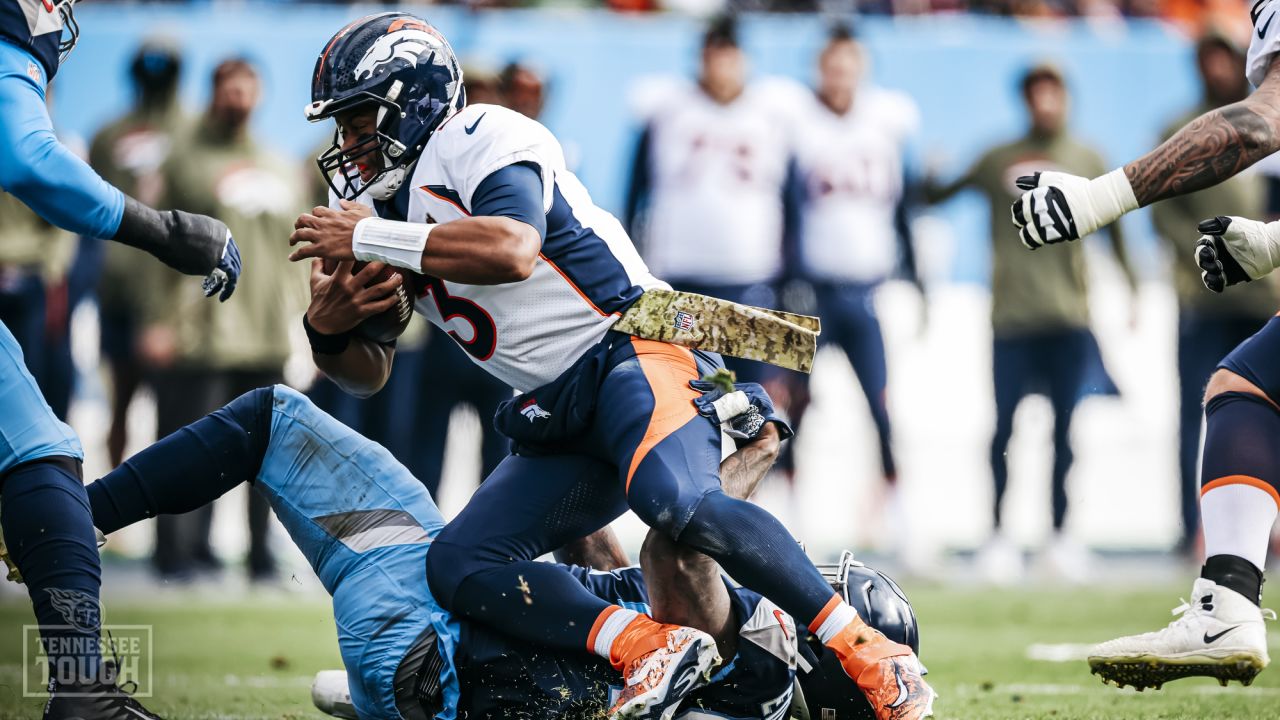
[403, 67]
[825, 691]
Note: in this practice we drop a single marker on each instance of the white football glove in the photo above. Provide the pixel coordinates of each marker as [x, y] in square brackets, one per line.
[1232, 250]
[1058, 207]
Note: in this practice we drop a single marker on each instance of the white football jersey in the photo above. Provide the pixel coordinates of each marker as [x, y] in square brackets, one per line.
[717, 174]
[1264, 41]
[852, 167]
[525, 333]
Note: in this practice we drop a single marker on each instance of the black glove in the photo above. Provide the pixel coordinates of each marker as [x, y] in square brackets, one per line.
[191, 244]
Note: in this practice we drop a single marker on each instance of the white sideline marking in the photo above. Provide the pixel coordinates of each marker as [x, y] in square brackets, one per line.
[266, 681]
[1058, 652]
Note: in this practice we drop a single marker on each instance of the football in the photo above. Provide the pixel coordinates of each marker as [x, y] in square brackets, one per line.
[390, 324]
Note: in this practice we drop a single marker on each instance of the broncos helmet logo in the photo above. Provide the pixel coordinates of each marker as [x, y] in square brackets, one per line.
[407, 44]
[80, 610]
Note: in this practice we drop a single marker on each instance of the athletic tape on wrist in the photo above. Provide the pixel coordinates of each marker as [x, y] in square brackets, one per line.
[1111, 196]
[390, 241]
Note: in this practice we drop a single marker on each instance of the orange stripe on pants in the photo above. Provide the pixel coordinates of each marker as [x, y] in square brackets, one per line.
[1242, 480]
[668, 369]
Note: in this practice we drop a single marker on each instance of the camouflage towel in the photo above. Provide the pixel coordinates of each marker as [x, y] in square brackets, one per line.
[779, 338]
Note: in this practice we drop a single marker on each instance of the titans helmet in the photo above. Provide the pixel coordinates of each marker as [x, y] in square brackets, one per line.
[825, 691]
[403, 69]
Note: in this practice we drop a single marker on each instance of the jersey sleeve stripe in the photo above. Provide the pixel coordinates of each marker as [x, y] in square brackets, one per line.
[446, 195]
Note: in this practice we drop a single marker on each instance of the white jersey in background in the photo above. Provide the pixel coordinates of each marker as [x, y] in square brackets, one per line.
[851, 167]
[525, 333]
[1264, 41]
[716, 173]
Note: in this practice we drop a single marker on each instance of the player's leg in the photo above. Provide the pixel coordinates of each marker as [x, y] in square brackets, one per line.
[863, 344]
[669, 458]
[484, 565]
[1066, 358]
[49, 537]
[1221, 630]
[998, 560]
[1198, 354]
[362, 521]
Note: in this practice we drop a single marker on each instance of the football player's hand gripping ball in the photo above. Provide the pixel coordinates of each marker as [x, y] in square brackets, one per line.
[342, 299]
[1058, 207]
[1232, 250]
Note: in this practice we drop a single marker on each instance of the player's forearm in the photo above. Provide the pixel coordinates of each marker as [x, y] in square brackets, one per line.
[360, 370]
[481, 251]
[1210, 149]
[741, 472]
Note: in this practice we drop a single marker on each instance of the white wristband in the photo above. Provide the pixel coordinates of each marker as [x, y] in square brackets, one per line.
[390, 241]
[1110, 196]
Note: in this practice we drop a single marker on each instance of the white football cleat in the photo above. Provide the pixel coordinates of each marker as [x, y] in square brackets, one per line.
[1220, 634]
[332, 695]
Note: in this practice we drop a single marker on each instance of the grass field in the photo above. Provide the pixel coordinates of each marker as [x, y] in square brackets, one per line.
[254, 659]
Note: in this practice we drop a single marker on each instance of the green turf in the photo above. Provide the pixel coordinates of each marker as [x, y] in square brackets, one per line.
[255, 659]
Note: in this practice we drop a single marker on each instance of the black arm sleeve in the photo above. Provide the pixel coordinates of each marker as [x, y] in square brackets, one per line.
[190, 244]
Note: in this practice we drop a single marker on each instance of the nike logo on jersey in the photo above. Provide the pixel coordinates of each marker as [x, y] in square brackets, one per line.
[1211, 639]
[472, 129]
[1255, 14]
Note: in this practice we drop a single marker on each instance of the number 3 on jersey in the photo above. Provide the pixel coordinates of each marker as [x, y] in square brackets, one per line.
[484, 339]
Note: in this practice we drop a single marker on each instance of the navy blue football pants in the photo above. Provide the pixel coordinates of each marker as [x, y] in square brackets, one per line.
[646, 449]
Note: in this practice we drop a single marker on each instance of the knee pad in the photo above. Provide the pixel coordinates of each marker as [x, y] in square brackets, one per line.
[252, 412]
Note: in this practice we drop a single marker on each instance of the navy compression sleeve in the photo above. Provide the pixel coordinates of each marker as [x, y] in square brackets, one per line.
[39, 170]
[514, 191]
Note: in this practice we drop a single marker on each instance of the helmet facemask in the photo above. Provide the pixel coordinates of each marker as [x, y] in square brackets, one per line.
[394, 158]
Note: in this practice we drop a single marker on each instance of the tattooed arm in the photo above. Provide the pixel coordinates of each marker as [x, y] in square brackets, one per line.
[1213, 147]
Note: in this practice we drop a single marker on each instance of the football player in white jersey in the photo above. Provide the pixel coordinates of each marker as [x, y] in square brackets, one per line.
[706, 197]
[850, 148]
[520, 268]
[1220, 633]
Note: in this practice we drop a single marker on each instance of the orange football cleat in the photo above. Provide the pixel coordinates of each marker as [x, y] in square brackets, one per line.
[888, 673]
[661, 664]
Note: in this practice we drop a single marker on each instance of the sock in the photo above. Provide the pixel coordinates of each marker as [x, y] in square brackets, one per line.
[1236, 573]
[188, 469]
[835, 617]
[49, 532]
[613, 624]
[1241, 465]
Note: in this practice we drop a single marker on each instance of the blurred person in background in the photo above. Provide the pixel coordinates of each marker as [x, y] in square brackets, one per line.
[1039, 315]
[203, 359]
[34, 259]
[854, 229]
[1209, 325]
[706, 197]
[129, 153]
[523, 89]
